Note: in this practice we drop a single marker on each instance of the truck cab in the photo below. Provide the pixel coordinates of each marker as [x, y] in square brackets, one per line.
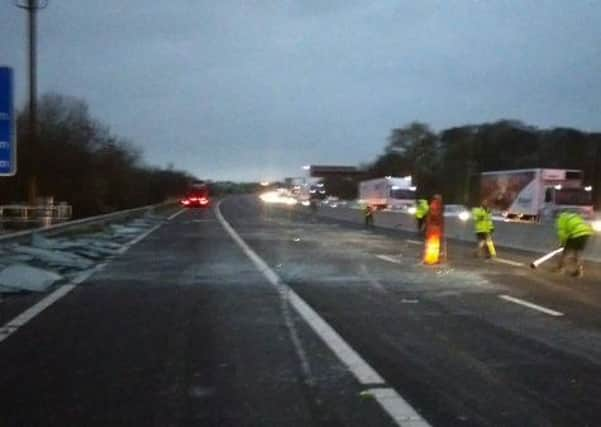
[536, 194]
[559, 198]
[388, 193]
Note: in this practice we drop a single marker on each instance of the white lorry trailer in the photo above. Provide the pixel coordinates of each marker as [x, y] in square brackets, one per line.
[536, 194]
[388, 192]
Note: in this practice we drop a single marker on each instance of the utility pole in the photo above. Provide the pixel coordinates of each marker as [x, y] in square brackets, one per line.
[32, 7]
[596, 179]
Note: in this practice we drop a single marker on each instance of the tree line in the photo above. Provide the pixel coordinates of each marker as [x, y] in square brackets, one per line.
[450, 161]
[80, 161]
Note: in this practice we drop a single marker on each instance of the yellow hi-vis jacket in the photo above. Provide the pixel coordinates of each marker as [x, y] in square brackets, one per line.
[422, 209]
[482, 220]
[571, 226]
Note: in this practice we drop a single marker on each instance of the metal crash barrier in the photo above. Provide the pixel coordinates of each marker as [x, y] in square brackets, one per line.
[24, 236]
[19, 216]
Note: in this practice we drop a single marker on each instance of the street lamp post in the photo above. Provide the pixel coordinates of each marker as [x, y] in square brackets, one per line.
[32, 6]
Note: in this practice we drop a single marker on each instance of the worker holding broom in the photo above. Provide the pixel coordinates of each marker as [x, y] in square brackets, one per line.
[573, 233]
[484, 228]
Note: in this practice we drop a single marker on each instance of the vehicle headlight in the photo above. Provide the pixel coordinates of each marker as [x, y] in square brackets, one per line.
[596, 224]
[464, 215]
[305, 203]
[412, 210]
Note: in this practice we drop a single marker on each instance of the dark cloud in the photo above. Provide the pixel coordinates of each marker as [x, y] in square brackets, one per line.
[234, 89]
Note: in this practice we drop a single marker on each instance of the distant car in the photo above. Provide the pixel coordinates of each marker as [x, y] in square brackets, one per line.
[333, 202]
[194, 200]
[457, 211]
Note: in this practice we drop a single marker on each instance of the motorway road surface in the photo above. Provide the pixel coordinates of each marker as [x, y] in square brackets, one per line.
[185, 329]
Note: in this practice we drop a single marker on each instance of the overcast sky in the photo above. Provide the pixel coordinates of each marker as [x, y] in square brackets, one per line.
[255, 89]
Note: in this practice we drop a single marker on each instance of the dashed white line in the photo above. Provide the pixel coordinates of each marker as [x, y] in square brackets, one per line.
[389, 258]
[415, 242]
[172, 216]
[508, 262]
[531, 305]
[397, 407]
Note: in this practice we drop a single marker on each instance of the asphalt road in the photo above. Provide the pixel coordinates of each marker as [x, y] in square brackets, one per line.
[184, 329]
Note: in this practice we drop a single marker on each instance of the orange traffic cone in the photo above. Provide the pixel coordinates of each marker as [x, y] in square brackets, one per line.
[434, 232]
[432, 249]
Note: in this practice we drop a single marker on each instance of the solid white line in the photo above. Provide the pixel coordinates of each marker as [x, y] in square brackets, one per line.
[415, 242]
[397, 407]
[282, 289]
[142, 236]
[364, 373]
[25, 317]
[170, 217]
[389, 258]
[508, 262]
[22, 319]
[391, 401]
[531, 305]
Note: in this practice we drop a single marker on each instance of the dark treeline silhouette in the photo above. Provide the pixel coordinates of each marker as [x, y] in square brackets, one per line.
[81, 162]
[450, 161]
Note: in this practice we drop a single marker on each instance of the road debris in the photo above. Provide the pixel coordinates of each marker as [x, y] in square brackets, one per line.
[20, 277]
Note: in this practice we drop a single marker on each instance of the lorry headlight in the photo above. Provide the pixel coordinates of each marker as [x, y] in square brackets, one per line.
[464, 215]
[412, 210]
[596, 225]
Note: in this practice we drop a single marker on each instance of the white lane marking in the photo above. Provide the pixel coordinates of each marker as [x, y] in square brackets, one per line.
[400, 411]
[508, 262]
[13, 325]
[391, 401]
[364, 373]
[129, 244]
[170, 217]
[415, 242]
[25, 317]
[389, 258]
[531, 305]
[22, 319]
[281, 288]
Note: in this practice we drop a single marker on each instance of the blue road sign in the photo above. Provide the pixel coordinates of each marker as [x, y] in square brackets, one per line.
[8, 143]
